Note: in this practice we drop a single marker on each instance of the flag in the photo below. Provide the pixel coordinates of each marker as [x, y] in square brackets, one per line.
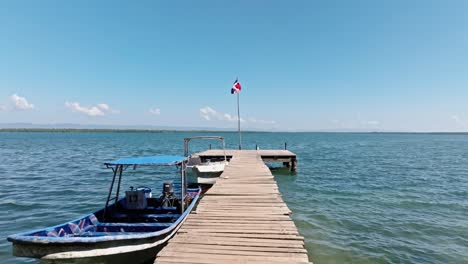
[236, 87]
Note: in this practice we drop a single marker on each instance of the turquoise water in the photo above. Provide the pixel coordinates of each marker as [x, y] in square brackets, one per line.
[356, 198]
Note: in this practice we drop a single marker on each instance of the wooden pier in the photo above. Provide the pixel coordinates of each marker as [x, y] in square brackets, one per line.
[285, 156]
[241, 219]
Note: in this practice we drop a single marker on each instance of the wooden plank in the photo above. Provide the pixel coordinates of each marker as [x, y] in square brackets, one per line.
[240, 250]
[243, 200]
[237, 240]
[240, 210]
[241, 207]
[220, 218]
[239, 235]
[252, 198]
[222, 255]
[248, 206]
[223, 221]
[216, 259]
[237, 223]
[246, 228]
[236, 214]
[184, 229]
[260, 245]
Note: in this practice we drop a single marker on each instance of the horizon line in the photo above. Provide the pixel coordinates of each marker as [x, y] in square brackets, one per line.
[127, 130]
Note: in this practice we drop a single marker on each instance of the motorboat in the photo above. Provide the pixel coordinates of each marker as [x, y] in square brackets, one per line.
[200, 170]
[130, 229]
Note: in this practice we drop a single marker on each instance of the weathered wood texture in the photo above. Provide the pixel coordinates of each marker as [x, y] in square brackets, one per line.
[241, 219]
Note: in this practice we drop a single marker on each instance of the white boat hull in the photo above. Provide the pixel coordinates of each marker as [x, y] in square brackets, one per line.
[113, 254]
[205, 173]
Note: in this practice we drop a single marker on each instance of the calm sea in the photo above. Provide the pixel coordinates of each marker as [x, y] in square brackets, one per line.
[356, 198]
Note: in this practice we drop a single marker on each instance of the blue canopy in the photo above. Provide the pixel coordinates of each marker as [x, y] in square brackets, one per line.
[151, 160]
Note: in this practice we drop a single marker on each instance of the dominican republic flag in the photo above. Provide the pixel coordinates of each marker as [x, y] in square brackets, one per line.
[236, 87]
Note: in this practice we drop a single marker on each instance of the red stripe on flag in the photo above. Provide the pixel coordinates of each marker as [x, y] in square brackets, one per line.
[237, 86]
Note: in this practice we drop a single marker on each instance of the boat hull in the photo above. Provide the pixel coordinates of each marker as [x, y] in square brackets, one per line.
[205, 173]
[111, 254]
[202, 178]
[135, 248]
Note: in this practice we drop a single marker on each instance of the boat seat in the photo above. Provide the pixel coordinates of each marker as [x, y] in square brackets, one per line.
[131, 227]
[148, 210]
[96, 234]
[149, 216]
[167, 208]
[133, 224]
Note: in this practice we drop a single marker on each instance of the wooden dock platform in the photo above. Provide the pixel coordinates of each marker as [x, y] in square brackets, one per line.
[268, 155]
[241, 219]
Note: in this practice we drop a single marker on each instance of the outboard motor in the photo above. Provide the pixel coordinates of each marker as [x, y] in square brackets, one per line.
[167, 194]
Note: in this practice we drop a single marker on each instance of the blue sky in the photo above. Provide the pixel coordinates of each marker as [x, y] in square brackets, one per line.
[304, 65]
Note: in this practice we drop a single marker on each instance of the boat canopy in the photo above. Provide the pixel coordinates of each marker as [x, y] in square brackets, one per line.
[149, 160]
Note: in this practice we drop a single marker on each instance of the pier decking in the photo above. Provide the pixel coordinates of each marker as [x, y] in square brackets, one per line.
[241, 219]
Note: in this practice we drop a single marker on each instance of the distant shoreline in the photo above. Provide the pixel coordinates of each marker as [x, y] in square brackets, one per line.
[113, 130]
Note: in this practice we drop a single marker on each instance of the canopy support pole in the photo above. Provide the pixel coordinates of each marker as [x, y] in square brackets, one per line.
[110, 189]
[118, 185]
[183, 186]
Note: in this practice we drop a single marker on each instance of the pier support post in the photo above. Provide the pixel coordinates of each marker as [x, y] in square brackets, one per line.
[293, 164]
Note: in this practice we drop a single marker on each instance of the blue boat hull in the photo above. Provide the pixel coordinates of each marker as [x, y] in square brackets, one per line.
[99, 238]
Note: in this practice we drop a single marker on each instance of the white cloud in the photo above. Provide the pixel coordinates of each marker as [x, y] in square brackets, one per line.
[98, 110]
[154, 111]
[20, 103]
[229, 117]
[207, 113]
[261, 121]
[210, 114]
[3, 108]
[103, 107]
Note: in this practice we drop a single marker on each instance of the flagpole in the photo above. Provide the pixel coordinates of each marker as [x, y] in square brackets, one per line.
[238, 122]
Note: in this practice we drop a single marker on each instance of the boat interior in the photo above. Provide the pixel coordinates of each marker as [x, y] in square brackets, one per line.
[156, 211]
[133, 214]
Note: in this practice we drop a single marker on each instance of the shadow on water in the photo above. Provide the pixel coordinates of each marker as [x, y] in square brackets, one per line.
[278, 170]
